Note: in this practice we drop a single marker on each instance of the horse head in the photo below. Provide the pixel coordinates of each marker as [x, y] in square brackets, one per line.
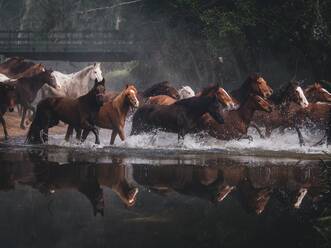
[223, 97]
[96, 73]
[99, 90]
[260, 103]
[316, 93]
[131, 95]
[259, 85]
[186, 92]
[295, 93]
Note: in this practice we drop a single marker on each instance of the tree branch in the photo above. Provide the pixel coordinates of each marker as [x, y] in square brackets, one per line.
[109, 7]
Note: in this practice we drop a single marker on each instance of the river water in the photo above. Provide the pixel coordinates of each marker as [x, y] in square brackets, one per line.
[146, 192]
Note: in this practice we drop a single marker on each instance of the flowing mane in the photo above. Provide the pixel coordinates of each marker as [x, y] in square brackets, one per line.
[209, 90]
[282, 93]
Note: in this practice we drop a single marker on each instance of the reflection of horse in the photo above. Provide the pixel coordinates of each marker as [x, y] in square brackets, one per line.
[181, 117]
[80, 113]
[7, 102]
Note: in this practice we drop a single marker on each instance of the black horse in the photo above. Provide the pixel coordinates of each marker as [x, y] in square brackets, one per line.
[182, 117]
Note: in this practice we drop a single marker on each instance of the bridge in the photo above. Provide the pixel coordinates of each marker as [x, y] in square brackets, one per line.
[83, 46]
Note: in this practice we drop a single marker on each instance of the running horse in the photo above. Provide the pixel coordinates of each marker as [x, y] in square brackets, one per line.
[316, 93]
[14, 66]
[285, 101]
[27, 89]
[181, 117]
[80, 113]
[7, 102]
[236, 122]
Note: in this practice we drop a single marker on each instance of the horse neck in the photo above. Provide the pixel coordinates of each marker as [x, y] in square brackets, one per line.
[82, 77]
[119, 103]
[90, 100]
[242, 93]
[199, 105]
[36, 82]
[246, 111]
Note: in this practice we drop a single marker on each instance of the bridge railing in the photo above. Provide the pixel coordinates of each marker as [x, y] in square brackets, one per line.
[65, 41]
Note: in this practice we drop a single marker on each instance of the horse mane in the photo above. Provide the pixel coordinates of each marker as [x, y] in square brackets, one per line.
[84, 71]
[242, 93]
[280, 95]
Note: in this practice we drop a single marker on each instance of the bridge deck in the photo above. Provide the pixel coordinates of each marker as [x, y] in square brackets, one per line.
[69, 46]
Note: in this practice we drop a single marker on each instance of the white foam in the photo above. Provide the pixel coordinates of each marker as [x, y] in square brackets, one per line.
[287, 142]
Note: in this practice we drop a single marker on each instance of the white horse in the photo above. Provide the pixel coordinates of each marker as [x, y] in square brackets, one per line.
[72, 85]
[186, 92]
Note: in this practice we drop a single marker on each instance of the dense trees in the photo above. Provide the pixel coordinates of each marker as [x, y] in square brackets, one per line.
[186, 40]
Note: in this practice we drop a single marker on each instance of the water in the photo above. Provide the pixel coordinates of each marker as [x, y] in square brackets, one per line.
[73, 195]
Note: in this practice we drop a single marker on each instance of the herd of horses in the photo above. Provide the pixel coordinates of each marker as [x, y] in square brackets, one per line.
[53, 97]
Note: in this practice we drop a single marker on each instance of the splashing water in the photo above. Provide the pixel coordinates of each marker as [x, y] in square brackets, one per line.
[278, 142]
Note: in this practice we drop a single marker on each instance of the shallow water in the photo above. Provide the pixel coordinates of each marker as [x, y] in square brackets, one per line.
[73, 195]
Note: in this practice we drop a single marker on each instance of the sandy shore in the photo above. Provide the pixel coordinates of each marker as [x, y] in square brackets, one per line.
[13, 126]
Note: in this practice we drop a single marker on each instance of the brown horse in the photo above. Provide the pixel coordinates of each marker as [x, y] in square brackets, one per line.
[112, 114]
[181, 117]
[7, 102]
[27, 89]
[14, 66]
[224, 98]
[236, 122]
[316, 93]
[33, 70]
[282, 114]
[163, 88]
[80, 113]
[254, 84]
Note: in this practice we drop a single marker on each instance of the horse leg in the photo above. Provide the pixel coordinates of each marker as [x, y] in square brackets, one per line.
[96, 133]
[69, 132]
[78, 133]
[113, 136]
[121, 133]
[268, 132]
[23, 117]
[85, 134]
[301, 141]
[258, 130]
[245, 136]
[4, 126]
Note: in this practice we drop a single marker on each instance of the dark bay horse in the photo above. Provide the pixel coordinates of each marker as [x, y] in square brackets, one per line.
[27, 89]
[236, 122]
[181, 117]
[7, 102]
[224, 98]
[163, 88]
[80, 113]
[288, 99]
[14, 66]
[254, 84]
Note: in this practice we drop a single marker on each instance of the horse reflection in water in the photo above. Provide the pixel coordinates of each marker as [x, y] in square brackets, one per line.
[253, 186]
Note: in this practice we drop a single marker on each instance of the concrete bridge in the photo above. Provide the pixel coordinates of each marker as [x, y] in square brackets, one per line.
[111, 45]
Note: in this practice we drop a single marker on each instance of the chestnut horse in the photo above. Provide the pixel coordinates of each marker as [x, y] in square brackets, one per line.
[27, 89]
[7, 102]
[236, 122]
[282, 113]
[79, 113]
[112, 114]
[181, 117]
[316, 93]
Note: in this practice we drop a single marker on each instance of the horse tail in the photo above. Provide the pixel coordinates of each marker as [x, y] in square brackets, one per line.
[33, 135]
